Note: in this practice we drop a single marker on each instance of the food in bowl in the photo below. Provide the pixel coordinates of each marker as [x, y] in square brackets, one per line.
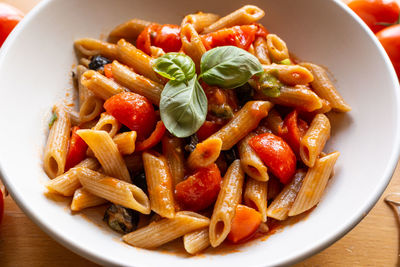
[200, 131]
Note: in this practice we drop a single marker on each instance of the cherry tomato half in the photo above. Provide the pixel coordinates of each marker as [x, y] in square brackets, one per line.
[390, 40]
[9, 18]
[373, 12]
[165, 36]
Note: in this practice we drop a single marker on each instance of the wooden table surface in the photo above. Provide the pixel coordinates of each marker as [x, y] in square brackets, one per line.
[373, 242]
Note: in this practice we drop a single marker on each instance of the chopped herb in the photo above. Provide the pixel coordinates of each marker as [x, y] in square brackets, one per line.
[270, 85]
[286, 62]
[52, 119]
[121, 219]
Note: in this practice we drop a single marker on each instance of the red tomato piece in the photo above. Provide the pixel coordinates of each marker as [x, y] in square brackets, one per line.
[200, 190]
[9, 18]
[165, 36]
[153, 139]
[373, 12]
[276, 154]
[134, 111]
[293, 130]
[244, 224]
[390, 40]
[108, 71]
[207, 129]
[240, 36]
[77, 149]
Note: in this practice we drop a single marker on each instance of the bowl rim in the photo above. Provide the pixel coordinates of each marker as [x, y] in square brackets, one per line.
[317, 247]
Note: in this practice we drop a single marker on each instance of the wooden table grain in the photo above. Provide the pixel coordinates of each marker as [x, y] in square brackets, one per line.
[373, 242]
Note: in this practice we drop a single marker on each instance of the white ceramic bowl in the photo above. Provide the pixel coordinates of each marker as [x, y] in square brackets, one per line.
[35, 70]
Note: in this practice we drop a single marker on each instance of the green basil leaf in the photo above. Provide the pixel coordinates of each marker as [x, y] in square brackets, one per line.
[270, 85]
[183, 107]
[228, 66]
[175, 66]
[52, 119]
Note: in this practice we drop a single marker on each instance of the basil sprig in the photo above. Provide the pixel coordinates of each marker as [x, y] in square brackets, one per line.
[183, 104]
[228, 66]
[175, 66]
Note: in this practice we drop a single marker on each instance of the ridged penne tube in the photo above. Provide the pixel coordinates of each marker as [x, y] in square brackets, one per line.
[200, 20]
[274, 188]
[251, 162]
[67, 183]
[314, 184]
[129, 29]
[172, 148]
[326, 107]
[242, 123]
[134, 162]
[84, 199]
[255, 196]
[137, 59]
[107, 123]
[158, 233]
[137, 83]
[244, 15]
[205, 153]
[73, 117]
[196, 241]
[314, 140]
[90, 106]
[277, 48]
[324, 88]
[290, 74]
[106, 152]
[299, 96]
[261, 50]
[156, 52]
[93, 47]
[55, 153]
[192, 44]
[281, 205]
[159, 184]
[225, 206]
[84, 62]
[114, 190]
[274, 121]
[125, 142]
[100, 85]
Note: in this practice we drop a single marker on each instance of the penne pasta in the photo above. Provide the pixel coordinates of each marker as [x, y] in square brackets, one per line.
[114, 190]
[255, 196]
[279, 208]
[137, 59]
[242, 123]
[299, 97]
[277, 48]
[129, 29]
[84, 199]
[244, 15]
[107, 123]
[158, 233]
[205, 153]
[159, 184]
[90, 106]
[106, 152]
[290, 74]
[100, 85]
[251, 162]
[172, 148]
[325, 89]
[67, 183]
[314, 140]
[192, 44]
[261, 50]
[73, 117]
[55, 153]
[314, 184]
[136, 83]
[225, 206]
[274, 121]
[196, 241]
[199, 20]
[125, 142]
[92, 47]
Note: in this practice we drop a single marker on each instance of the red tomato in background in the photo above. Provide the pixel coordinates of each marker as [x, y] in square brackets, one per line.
[199, 190]
[376, 11]
[134, 111]
[276, 154]
[9, 18]
[390, 40]
[165, 36]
